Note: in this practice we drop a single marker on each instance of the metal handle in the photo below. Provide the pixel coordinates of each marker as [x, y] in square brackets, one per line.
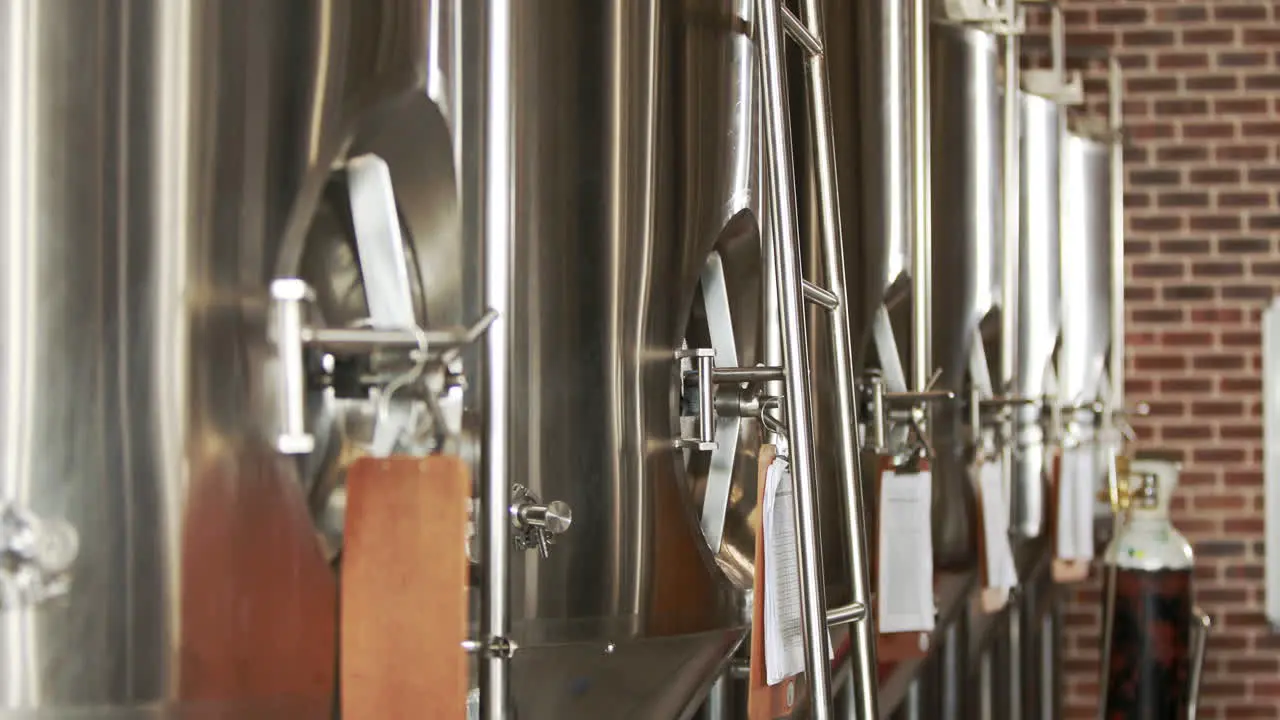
[704, 361]
[1200, 643]
[289, 296]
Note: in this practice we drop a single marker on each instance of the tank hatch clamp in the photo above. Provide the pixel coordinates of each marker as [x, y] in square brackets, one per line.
[36, 555]
[306, 349]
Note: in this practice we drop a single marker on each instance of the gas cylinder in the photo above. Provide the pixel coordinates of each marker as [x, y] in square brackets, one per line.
[1150, 616]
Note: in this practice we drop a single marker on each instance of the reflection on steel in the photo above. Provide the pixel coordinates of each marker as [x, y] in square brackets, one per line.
[162, 163]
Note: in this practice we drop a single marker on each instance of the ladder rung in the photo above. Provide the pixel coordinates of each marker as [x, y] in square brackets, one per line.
[820, 296]
[762, 373]
[797, 30]
[853, 612]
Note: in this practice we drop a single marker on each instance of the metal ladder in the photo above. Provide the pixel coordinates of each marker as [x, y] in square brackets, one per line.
[793, 291]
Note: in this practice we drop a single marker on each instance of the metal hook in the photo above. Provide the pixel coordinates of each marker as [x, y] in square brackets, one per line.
[407, 378]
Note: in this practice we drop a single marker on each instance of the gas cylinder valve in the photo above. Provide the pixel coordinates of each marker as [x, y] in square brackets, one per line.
[537, 524]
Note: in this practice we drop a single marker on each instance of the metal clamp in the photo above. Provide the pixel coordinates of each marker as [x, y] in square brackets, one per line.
[294, 335]
[537, 525]
[36, 555]
[704, 364]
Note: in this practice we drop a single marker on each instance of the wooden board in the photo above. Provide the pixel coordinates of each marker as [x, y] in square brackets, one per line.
[404, 595]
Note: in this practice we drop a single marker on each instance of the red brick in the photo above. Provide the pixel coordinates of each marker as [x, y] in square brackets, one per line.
[1244, 245]
[1214, 176]
[1208, 36]
[1217, 269]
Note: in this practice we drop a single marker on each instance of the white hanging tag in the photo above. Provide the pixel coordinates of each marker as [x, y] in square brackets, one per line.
[905, 583]
[1075, 502]
[783, 622]
[1002, 573]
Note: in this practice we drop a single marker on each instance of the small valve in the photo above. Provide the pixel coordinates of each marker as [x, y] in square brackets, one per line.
[36, 556]
[537, 524]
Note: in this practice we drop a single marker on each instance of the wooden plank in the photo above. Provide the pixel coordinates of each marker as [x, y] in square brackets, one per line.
[404, 592]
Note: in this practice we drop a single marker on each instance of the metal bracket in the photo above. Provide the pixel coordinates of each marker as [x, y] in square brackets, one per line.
[36, 555]
[704, 364]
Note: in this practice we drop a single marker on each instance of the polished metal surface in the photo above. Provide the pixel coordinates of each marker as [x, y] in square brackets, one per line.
[618, 152]
[1039, 300]
[966, 157]
[1086, 267]
[920, 348]
[162, 161]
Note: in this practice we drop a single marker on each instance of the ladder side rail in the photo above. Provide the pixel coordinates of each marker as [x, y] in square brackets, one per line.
[795, 357]
[862, 634]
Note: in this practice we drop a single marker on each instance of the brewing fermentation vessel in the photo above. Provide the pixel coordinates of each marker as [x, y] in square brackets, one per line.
[162, 161]
[965, 113]
[1086, 267]
[631, 157]
[1039, 310]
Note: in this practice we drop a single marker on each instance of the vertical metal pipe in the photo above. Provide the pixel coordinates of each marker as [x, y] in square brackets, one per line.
[1049, 661]
[1116, 112]
[879, 422]
[862, 633]
[1013, 660]
[1011, 263]
[921, 199]
[719, 699]
[786, 244]
[986, 686]
[498, 247]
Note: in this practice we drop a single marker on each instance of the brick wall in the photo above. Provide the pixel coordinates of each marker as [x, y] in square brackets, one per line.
[1202, 260]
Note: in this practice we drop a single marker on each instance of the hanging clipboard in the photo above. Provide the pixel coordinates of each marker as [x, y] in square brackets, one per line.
[896, 646]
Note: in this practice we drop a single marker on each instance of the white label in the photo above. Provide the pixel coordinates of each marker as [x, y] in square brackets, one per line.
[783, 622]
[905, 585]
[1075, 502]
[1001, 571]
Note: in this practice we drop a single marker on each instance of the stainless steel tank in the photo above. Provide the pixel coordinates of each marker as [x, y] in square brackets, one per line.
[965, 113]
[1086, 268]
[633, 153]
[162, 162]
[1039, 318]
[867, 61]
